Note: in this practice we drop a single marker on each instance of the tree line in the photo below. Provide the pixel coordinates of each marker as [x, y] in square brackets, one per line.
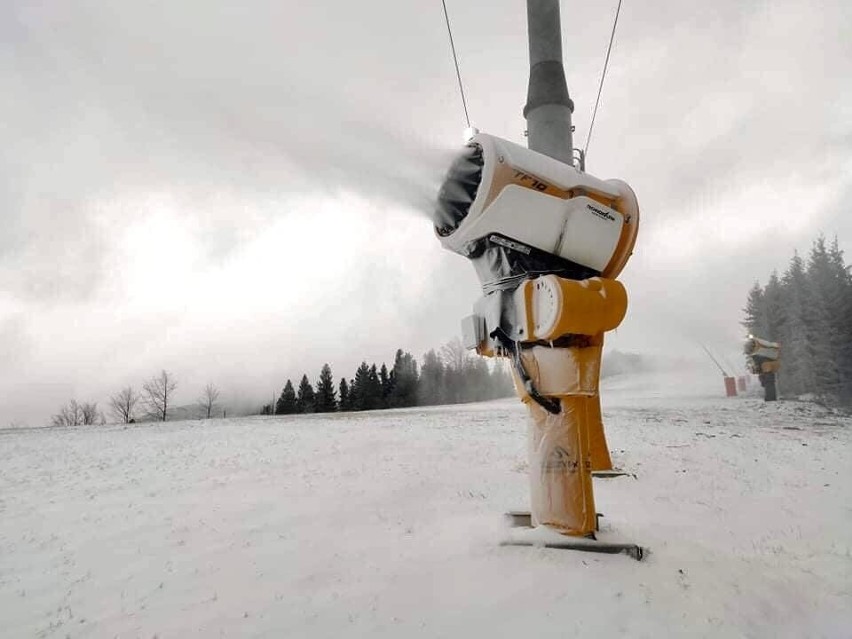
[155, 402]
[447, 376]
[808, 310]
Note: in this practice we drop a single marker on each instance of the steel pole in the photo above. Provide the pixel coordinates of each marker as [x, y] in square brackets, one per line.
[549, 107]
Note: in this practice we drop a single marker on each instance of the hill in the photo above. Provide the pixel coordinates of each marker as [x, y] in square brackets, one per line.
[387, 524]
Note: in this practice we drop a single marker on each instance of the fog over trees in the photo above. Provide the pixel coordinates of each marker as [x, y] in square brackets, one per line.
[449, 376]
[807, 309]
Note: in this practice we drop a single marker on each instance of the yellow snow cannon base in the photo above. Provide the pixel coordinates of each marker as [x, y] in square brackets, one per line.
[563, 372]
[561, 495]
[565, 447]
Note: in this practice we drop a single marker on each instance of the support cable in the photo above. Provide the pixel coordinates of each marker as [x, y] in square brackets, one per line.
[456, 62]
[603, 77]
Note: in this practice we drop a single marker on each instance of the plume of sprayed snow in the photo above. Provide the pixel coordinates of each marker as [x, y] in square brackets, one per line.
[113, 103]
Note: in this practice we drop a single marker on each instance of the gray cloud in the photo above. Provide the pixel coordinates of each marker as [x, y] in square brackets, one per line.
[110, 101]
[731, 121]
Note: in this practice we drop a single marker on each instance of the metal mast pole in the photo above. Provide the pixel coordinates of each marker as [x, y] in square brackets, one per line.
[549, 108]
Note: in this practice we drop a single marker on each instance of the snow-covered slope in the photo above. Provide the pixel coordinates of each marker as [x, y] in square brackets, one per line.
[387, 524]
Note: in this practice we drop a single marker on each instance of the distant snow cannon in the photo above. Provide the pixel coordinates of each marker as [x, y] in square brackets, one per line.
[547, 242]
[764, 360]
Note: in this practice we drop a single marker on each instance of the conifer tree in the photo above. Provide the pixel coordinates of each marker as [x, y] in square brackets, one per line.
[478, 380]
[374, 389]
[360, 388]
[367, 388]
[326, 402]
[455, 359]
[305, 399]
[404, 372]
[775, 309]
[286, 404]
[345, 403]
[799, 375]
[386, 382]
[353, 395]
[824, 335]
[755, 312]
[841, 318]
[431, 390]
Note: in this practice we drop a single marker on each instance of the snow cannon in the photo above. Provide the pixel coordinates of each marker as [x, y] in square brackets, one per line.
[764, 360]
[547, 242]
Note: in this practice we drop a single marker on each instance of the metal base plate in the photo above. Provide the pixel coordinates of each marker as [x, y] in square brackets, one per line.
[609, 474]
[543, 537]
[583, 545]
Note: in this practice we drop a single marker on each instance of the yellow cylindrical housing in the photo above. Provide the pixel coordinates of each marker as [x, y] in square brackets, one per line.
[553, 306]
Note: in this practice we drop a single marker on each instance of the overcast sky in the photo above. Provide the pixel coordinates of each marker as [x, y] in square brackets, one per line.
[237, 192]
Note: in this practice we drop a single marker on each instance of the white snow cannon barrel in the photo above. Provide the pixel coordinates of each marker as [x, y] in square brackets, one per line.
[527, 213]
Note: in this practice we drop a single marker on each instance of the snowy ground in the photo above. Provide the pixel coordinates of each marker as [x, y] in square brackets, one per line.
[387, 525]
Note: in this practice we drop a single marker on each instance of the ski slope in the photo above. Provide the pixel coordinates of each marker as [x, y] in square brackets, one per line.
[387, 524]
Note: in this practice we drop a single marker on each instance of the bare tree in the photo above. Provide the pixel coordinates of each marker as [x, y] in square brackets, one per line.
[76, 414]
[158, 394]
[91, 414]
[69, 415]
[455, 355]
[208, 398]
[123, 403]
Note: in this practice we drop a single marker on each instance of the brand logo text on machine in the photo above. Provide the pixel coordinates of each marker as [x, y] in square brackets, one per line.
[601, 214]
